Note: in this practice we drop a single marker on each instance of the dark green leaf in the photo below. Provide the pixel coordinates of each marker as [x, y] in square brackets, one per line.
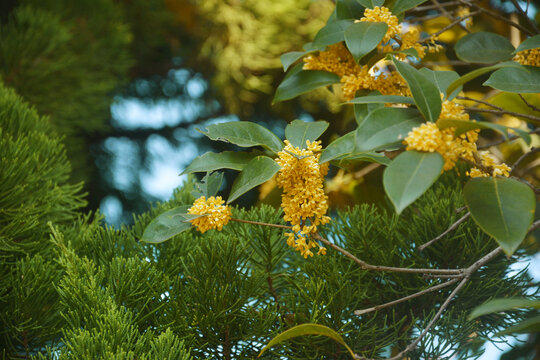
[409, 175]
[307, 329]
[302, 82]
[332, 33]
[531, 43]
[484, 47]
[168, 224]
[209, 185]
[298, 131]
[424, 91]
[349, 9]
[476, 73]
[524, 79]
[225, 160]
[404, 5]
[386, 126]
[369, 156]
[290, 58]
[529, 326]
[361, 111]
[502, 207]
[341, 146]
[256, 172]
[498, 305]
[245, 134]
[382, 99]
[362, 37]
[443, 79]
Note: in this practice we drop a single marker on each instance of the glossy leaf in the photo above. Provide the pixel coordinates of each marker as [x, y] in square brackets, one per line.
[530, 43]
[245, 134]
[424, 91]
[307, 329]
[290, 58]
[404, 5]
[349, 9]
[256, 172]
[168, 224]
[409, 175]
[209, 185]
[523, 79]
[502, 207]
[298, 132]
[498, 305]
[332, 33]
[528, 326]
[362, 37]
[386, 126]
[443, 79]
[303, 82]
[361, 111]
[476, 73]
[210, 161]
[369, 156]
[484, 47]
[341, 146]
[371, 3]
[382, 99]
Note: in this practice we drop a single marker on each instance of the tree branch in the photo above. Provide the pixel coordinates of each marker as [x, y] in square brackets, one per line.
[522, 157]
[450, 229]
[534, 119]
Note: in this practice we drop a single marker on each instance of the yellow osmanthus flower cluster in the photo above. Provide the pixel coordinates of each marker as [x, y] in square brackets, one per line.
[303, 201]
[464, 11]
[216, 215]
[383, 14]
[428, 137]
[354, 77]
[488, 162]
[528, 57]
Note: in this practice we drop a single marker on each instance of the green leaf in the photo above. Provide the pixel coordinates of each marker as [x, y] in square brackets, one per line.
[484, 47]
[531, 43]
[307, 329]
[409, 52]
[386, 126]
[463, 126]
[476, 73]
[298, 131]
[369, 156]
[245, 134]
[256, 172]
[349, 9]
[209, 185]
[443, 79]
[523, 79]
[498, 305]
[303, 82]
[382, 99]
[168, 224]
[362, 37]
[341, 146]
[502, 207]
[409, 175]
[424, 91]
[361, 111]
[225, 160]
[371, 3]
[290, 58]
[529, 326]
[404, 5]
[332, 33]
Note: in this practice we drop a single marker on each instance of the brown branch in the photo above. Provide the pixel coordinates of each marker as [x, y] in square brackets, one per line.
[531, 106]
[450, 229]
[497, 16]
[364, 265]
[448, 15]
[525, 16]
[409, 297]
[523, 157]
[503, 140]
[262, 224]
[448, 27]
[534, 119]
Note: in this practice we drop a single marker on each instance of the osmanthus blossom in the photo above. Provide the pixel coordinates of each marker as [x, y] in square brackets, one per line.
[215, 214]
[303, 201]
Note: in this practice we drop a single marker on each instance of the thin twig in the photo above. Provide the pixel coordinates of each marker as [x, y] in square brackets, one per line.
[403, 299]
[433, 7]
[497, 16]
[366, 266]
[503, 140]
[262, 224]
[448, 15]
[450, 229]
[534, 119]
[458, 210]
[531, 106]
[524, 15]
[480, 102]
[522, 157]
[448, 62]
[448, 27]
